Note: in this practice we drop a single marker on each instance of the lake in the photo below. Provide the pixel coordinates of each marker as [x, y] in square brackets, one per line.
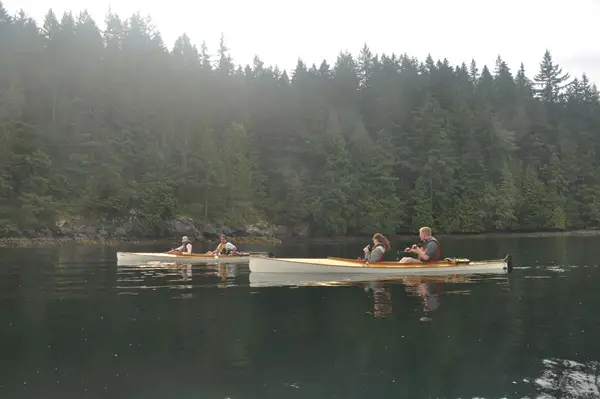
[74, 325]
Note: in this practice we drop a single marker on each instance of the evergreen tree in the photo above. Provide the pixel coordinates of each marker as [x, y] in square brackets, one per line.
[550, 80]
[113, 125]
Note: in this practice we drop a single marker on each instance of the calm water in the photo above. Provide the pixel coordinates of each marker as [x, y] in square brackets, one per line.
[74, 325]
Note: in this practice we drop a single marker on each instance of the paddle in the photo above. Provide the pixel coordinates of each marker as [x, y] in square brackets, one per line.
[267, 254]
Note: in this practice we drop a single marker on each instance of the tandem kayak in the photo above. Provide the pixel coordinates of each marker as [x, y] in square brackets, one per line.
[133, 258]
[343, 265]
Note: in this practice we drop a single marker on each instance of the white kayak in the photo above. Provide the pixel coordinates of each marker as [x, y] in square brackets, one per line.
[133, 258]
[350, 266]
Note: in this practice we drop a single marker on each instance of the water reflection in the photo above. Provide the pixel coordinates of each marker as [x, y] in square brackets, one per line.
[227, 274]
[427, 291]
[76, 324]
[382, 298]
[421, 288]
[176, 276]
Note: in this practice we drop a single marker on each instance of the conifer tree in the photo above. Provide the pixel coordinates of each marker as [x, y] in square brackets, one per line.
[115, 125]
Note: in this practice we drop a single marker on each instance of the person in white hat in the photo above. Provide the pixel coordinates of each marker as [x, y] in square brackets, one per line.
[186, 247]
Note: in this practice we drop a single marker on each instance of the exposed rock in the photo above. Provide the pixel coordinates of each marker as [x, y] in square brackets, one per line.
[44, 233]
[213, 230]
[11, 231]
[265, 229]
[301, 230]
[261, 228]
[129, 228]
[80, 229]
[183, 226]
[75, 227]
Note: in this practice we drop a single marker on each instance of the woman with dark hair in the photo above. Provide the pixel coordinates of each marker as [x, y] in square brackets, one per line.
[380, 246]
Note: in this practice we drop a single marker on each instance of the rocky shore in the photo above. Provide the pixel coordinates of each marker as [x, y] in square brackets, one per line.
[79, 230]
[70, 230]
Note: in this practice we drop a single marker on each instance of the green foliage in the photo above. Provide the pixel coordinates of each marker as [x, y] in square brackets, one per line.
[110, 124]
[154, 201]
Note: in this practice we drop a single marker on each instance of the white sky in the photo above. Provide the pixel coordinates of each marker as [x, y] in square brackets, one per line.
[281, 32]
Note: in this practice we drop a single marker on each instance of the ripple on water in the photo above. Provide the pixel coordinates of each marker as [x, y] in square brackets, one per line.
[131, 279]
[563, 378]
[495, 335]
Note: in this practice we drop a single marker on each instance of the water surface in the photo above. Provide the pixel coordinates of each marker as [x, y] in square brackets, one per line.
[75, 325]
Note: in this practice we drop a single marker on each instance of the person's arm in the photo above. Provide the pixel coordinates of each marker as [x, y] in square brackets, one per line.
[367, 251]
[429, 251]
[415, 249]
[419, 251]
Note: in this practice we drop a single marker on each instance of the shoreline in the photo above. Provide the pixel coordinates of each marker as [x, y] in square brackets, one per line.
[30, 242]
[460, 236]
[22, 242]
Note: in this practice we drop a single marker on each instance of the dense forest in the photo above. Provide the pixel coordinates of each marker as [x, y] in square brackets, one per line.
[112, 124]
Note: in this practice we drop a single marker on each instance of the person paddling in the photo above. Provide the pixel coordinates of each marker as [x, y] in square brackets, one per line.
[380, 246]
[185, 248]
[224, 247]
[429, 252]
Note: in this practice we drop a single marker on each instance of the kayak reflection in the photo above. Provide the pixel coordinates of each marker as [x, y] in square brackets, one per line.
[178, 276]
[427, 288]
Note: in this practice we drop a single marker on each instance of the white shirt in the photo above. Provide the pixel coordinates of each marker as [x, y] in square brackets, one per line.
[229, 246]
[186, 248]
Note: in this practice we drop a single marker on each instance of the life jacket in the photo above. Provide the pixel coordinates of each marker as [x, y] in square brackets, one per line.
[221, 250]
[382, 255]
[438, 253]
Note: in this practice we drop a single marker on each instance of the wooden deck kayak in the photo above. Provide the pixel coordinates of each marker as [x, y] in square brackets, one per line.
[132, 258]
[343, 265]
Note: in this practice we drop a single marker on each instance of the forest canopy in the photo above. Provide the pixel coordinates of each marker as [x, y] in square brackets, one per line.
[106, 124]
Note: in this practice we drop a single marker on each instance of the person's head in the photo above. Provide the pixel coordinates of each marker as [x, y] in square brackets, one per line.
[379, 238]
[223, 238]
[424, 232]
[185, 239]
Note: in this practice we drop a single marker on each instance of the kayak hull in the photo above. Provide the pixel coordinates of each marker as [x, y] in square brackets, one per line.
[133, 258]
[349, 266]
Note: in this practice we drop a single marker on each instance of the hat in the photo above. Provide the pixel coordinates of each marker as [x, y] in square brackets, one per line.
[185, 239]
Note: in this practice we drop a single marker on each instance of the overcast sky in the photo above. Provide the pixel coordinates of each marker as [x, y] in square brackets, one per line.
[281, 32]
